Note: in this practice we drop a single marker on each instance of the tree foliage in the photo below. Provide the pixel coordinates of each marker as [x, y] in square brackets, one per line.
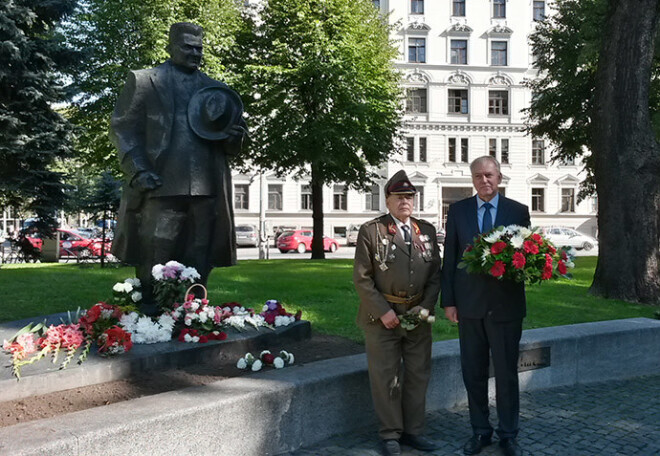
[32, 134]
[121, 35]
[566, 47]
[321, 92]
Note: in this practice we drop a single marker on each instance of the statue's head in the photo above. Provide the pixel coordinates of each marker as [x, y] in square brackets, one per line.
[185, 45]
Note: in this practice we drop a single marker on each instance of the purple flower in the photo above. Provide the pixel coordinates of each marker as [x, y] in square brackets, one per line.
[272, 304]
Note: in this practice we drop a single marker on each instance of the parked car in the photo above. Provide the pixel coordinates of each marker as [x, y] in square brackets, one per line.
[562, 236]
[301, 240]
[352, 234]
[73, 243]
[247, 235]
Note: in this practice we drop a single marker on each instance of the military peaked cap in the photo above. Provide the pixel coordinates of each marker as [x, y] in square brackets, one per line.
[399, 184]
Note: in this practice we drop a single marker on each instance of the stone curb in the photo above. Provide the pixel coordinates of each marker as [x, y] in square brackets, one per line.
[274, 412]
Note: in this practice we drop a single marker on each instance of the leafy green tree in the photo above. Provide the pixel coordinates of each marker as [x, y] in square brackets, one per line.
[321, 92]
[566, 49]
[121, 35]
[32, 134]
[598, 97]
[103, 202]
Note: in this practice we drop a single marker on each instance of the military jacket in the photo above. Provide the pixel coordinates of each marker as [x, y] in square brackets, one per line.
[385, 265]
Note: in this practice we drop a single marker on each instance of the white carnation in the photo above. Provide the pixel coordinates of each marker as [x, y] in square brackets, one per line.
[517, 241]
[174, 264]
[424, 313]
[525, 232]
[203, 317]
[136, 296]
[494, 236]
[118, 287]
[278, 363]
[241, 364]
[157, 272]
[128, 287]
[291, 358]
[265, 352]
[187, 338]
[256, 365]
[135, 282]
[431, 319]
[190, 274]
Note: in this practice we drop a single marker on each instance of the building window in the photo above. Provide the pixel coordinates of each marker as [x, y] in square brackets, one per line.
[275, 197]
[568, 200]
[417, 50]
[538, 152]
[419, 198]
[306, 197]
[464, 150]
[504, 153]
[492, 147]
[416, 101]
[410, 149]
[498, 102]
[458, 101]
[422, 149]
[459, 52]
[452, 149]
[538, 200]
[567, 161]
[372, 202]
[498, 53]
[458, 8]
[339, 198]
[417, 6]
[242, 196]
[499, 8]
[539, 10]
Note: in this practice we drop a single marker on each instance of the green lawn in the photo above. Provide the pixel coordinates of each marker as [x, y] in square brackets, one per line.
[322, 289]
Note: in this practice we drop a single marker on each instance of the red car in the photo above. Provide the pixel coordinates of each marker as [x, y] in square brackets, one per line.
[301, 240]
[73, 243]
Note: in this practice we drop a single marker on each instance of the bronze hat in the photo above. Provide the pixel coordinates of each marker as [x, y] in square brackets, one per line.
[399, 184]
[212, 111]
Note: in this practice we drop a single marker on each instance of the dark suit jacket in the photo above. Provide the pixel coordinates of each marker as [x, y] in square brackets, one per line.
[476, 295]
[141, 127]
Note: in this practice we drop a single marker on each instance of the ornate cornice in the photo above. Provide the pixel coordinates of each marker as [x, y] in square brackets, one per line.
[464, 128]
[499, 29]
[459, 77]
[459, 28]
[418, 26]
[417, 77]
[500, 79]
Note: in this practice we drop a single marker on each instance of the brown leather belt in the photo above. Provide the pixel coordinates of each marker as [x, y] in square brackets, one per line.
[410, 302]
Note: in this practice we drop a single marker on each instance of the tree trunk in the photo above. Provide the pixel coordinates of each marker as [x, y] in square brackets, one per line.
[103, 241]
[317, 215]
[627, 157]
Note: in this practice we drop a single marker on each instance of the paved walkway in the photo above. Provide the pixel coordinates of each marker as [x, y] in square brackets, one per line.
[619, 418]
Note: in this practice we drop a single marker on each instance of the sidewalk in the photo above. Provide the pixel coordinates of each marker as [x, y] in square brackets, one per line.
[615, 418]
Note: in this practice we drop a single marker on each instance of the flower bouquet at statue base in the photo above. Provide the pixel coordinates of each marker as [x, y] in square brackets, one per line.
[517, 253]
[195, 320]
[170, 283]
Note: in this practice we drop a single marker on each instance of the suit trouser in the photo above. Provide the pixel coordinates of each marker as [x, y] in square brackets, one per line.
[399, 394]
[502, 338]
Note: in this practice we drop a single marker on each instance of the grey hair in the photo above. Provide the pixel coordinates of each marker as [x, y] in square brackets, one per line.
[484, 158]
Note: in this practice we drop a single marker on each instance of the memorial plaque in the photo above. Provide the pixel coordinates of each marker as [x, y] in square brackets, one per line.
[534, 358]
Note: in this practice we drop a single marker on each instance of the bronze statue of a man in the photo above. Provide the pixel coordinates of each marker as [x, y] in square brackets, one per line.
[174, 128]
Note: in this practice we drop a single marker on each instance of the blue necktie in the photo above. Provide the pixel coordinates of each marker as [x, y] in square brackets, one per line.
[487, 223]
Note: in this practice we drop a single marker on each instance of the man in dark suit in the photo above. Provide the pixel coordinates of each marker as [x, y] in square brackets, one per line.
[174, 128]
[397, 270]
[489, 312]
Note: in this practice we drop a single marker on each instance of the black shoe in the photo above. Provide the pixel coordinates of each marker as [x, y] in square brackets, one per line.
[476, 443]
[391, 448]
[510, 447]
[418, 442]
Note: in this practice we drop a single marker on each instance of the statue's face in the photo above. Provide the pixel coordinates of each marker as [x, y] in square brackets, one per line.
[186, 51]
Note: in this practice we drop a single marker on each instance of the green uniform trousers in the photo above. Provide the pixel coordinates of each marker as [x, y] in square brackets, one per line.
[399, 363]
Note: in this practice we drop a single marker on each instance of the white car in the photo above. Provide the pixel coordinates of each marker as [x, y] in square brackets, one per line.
[562, 236]
[247, 235]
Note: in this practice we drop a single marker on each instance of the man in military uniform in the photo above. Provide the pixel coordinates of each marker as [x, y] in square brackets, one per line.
[397, 270]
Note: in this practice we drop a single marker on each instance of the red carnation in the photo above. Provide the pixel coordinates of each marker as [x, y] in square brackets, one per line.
[537, 238]
[547, 273]
[548, 261]
[551, 249]
[564, 256]
[531, 247]
[498, 269]
[468, 248]
[561, 266]
[203, 339]
[282, 311]
[268, 358]
[498, 247]
[518, 260]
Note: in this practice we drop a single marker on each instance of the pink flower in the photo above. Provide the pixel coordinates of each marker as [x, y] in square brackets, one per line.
[561, 266]
[498, 247]
[518, 260]
[531, 247]
[498, 269]
[72, 336]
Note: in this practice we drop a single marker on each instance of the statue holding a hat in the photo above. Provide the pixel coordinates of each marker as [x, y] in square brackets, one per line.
[175, 129]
